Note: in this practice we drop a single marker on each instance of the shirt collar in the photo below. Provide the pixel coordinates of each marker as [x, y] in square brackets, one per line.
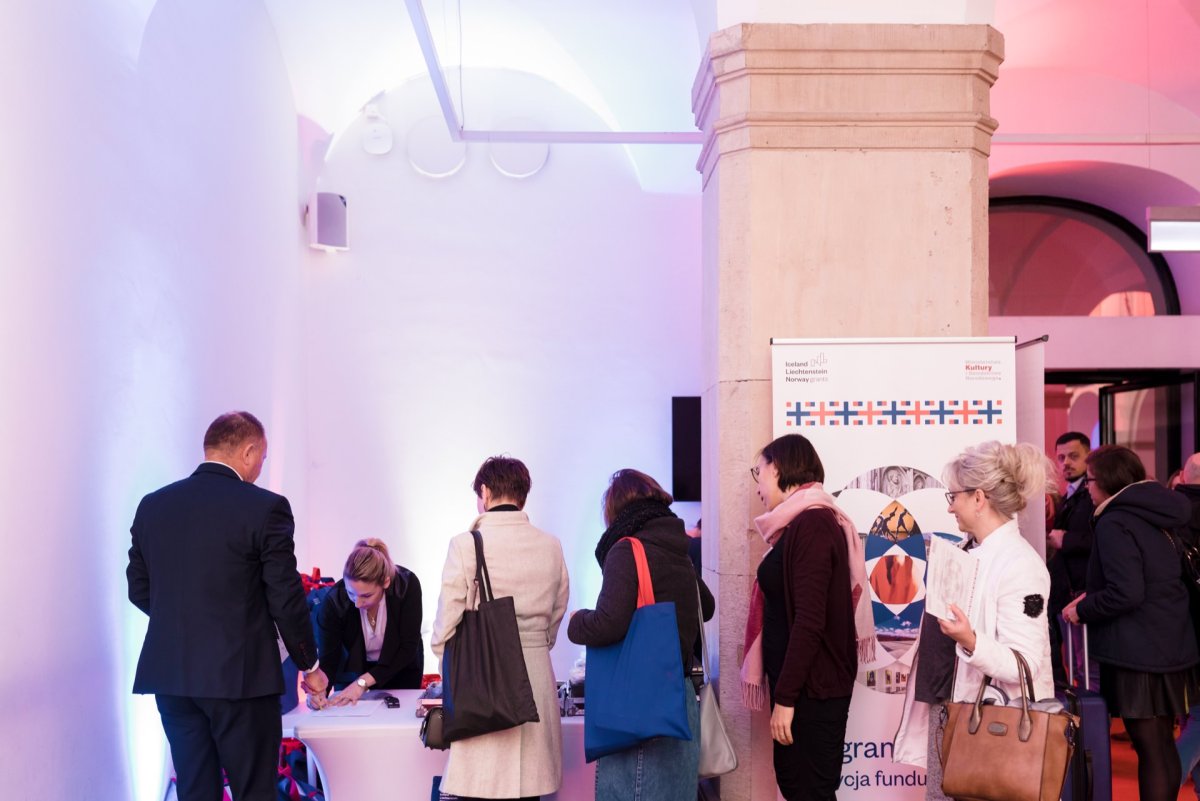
[231, 467]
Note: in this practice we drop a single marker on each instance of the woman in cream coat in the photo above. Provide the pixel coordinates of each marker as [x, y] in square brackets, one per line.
[989, 484]
[526, 563]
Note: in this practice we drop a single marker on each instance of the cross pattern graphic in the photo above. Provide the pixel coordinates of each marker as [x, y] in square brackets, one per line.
[873, 412]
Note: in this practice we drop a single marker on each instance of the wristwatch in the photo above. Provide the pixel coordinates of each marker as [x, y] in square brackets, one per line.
[361, 683]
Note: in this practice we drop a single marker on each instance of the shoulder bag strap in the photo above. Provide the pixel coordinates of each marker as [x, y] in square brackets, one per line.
[645, 585]
[703, 644]
[482, 579]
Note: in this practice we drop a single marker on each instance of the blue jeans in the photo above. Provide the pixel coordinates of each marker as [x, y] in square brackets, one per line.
[662, 769]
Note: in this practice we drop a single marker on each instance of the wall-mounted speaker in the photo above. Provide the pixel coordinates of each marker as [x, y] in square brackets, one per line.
[327, 222]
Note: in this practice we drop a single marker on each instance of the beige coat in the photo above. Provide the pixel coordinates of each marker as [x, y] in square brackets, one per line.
[527, 564]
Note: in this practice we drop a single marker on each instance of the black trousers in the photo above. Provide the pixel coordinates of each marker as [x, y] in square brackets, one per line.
[810, 769]
[208, 734]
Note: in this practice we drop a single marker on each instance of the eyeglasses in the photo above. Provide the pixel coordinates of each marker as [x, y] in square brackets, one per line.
[754, 471]
[1086, 479]
[950, 495]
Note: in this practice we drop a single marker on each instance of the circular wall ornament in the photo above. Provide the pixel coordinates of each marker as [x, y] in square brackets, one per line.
[432, 152]
[518, 159]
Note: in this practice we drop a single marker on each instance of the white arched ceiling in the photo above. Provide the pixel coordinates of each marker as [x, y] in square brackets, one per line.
[1127, 72]
[339, 55]
[632, 63]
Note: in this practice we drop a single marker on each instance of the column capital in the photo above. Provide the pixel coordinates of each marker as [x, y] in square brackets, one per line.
[846, 86]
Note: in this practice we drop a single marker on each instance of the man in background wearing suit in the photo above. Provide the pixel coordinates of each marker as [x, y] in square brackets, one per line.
[212, 563]
[1071, 537]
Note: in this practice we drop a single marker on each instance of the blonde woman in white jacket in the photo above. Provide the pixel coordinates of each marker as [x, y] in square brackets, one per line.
[989, 484]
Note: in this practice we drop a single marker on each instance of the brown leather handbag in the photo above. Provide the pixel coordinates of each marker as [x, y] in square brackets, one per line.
[1014, 752]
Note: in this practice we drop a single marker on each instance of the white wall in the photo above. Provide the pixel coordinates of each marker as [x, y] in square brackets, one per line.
[150, 280]
[551, 318]
[60, 233]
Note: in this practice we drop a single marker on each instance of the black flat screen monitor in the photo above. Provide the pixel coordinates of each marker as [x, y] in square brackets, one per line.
[685, 448]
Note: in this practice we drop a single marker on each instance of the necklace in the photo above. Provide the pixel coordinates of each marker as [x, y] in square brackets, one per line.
[372, 620]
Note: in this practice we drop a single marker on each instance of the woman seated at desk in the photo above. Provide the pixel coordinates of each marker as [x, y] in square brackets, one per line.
[369, 626]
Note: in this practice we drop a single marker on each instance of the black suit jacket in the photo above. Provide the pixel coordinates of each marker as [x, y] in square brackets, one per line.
[1068, 568]
[1192, 531]
[340, 638]
[213, 565]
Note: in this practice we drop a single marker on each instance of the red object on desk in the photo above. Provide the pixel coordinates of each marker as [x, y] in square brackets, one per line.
[314, 581]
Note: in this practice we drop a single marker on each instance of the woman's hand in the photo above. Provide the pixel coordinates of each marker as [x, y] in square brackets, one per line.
[348, 696]
[781, 724]
[959, 629]
[1070, 613]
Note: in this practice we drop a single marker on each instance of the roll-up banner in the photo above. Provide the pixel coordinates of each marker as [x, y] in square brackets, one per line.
[885, 416]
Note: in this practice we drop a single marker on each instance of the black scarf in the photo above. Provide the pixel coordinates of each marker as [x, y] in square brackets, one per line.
[630, 521]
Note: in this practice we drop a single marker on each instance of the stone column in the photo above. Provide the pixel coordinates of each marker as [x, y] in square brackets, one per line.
[845, 195]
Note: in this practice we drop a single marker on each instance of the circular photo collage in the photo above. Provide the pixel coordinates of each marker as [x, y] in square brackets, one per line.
[887, 504]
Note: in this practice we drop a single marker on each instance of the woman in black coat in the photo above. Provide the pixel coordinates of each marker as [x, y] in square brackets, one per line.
[635, 506]
[1136, 606]
[369, 626]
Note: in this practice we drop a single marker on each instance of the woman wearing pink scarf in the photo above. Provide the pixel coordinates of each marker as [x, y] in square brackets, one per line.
[810, 619]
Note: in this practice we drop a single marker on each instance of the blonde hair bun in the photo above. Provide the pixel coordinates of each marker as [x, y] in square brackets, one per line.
[369, 562]
[1010, 475]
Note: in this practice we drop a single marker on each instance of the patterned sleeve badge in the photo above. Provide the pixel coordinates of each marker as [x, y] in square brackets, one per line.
[1034, 604]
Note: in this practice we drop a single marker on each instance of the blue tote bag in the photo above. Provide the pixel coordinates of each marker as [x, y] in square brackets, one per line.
[635, 688]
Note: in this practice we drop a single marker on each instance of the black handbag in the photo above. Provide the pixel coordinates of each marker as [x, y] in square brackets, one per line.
[1189, 561]
[486, 684]
[433, 732]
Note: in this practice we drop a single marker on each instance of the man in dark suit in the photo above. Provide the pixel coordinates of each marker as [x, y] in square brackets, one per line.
[1189, 485]
[1071, 537]
[212, 563]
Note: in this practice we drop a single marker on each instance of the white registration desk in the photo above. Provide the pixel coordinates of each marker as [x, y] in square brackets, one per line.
[380, 756]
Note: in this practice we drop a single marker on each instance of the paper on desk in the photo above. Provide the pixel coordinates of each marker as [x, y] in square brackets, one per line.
[951, 579]
[360, 710]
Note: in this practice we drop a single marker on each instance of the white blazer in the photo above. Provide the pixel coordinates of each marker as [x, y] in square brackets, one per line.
[1008, 612]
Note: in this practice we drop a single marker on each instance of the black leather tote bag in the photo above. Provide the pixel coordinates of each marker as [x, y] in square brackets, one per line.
[486, 684]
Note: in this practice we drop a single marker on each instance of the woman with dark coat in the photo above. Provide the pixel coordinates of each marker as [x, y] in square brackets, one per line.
[369, 626]
[809, 622]
[664, 768]
[1136, 608]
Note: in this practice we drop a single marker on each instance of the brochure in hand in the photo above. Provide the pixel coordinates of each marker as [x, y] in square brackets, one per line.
[951, 579]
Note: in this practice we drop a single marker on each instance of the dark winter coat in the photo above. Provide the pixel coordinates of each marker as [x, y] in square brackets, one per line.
[1137, 606]
[674, 579]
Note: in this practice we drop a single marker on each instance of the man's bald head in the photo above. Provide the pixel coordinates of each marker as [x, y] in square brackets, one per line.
[1191, 470]
[239, 440]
